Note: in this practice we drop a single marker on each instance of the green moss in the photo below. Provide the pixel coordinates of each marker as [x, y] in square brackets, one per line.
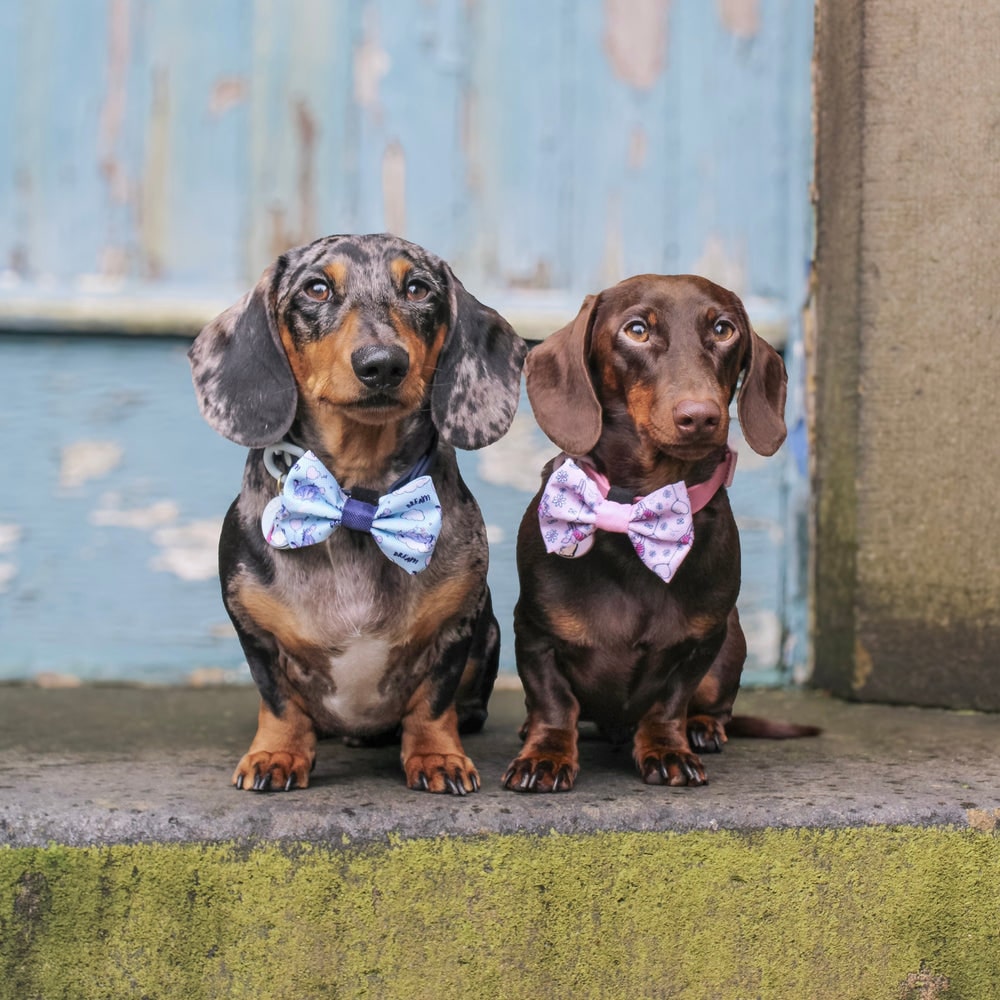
[865, 913]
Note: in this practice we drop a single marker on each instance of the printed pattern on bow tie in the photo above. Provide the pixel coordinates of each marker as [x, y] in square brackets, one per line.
[405, 523]
[659, 526]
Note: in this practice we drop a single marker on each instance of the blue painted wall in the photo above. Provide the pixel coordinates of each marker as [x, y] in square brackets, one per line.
[156, 154]
[115, 497]
[174, 147]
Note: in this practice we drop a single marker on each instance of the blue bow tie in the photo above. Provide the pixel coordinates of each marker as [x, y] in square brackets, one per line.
[405, 523]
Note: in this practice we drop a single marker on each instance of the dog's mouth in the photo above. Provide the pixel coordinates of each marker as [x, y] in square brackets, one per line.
[379, 407]
[374, 406]
[691, 452]
[688, 451]
[378, 401]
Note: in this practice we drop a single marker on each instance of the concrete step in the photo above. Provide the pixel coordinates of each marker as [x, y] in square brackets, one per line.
[862, 863]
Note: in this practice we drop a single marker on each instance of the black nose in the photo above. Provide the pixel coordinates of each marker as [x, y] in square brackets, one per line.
[697, 418]
[379, 366]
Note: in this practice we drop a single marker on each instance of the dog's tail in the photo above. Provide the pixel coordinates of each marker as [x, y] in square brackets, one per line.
[755, 728]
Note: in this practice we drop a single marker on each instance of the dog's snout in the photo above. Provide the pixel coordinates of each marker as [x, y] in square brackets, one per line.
[380, 366]
[697, 418]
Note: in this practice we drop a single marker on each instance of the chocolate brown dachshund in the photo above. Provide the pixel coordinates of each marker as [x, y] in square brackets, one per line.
[629, 556]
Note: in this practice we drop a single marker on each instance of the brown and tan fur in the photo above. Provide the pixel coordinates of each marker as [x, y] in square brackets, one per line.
[640, 383]
[367, 351]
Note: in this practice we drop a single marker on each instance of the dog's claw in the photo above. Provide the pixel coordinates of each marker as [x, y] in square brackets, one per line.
[448, 774]
[528, 775]
[273, 771]
[452, 786]
[672, 768]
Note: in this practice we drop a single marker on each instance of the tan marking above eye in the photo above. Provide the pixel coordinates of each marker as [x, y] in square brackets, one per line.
[399, 268]
[414, 289]
[337, 272]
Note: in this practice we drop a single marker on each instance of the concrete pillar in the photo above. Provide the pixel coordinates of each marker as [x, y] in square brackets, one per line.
[904, 345]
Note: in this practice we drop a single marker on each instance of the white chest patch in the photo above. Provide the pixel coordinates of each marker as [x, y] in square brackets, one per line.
[356, 675]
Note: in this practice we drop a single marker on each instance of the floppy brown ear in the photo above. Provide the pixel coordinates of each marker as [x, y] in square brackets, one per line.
[559, 386]
[761, 401]
[241, 375]
[478, 379]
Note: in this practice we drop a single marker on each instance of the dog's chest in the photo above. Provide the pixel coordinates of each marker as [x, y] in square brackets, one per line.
[356, 693]
[346, 663]
[609, 601]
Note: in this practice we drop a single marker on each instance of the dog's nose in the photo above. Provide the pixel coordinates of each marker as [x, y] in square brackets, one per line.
[697, 418]
[380, 366]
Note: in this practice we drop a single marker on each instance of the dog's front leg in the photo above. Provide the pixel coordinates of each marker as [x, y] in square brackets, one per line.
[548, 761]
[282, 753]
[660, 747]
[431, 753]
[711, 705]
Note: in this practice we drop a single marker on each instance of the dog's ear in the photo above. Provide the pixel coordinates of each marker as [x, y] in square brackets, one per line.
[761, 400]
[241, 375]
[477, 384]
[560, 388]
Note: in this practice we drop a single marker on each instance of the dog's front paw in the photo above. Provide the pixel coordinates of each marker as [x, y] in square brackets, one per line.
[541, 774]
[273, 771]
[672, 767]
[435, 772]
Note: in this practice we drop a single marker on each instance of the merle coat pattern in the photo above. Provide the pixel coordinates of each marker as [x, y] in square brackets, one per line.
[369, 352]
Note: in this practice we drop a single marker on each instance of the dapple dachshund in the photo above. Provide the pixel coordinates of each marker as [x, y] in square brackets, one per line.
[629, 557]
[353, 562]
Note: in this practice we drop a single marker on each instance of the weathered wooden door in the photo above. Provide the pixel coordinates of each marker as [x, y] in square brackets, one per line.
[156, 154]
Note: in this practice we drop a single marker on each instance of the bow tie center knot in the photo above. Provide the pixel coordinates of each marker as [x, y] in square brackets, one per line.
[611, 516]
[358, 515]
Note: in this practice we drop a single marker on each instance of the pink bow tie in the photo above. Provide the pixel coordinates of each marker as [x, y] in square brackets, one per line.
[659, 525]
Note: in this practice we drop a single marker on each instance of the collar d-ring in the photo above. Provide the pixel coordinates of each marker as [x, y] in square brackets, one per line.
[290, 452]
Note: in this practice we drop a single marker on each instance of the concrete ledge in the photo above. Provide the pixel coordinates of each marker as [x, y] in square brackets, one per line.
[106, 765]
[861, 864]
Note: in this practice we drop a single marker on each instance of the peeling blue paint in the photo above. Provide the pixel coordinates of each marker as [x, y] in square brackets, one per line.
[155, 155]
[115, 568]
[528, 161]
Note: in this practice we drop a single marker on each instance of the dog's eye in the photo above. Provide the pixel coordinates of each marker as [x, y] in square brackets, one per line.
[318, 289]
[636, 330]
[723, 330]
[416, 291]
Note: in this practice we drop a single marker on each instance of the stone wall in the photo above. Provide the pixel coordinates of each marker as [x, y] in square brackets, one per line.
[904, 363]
